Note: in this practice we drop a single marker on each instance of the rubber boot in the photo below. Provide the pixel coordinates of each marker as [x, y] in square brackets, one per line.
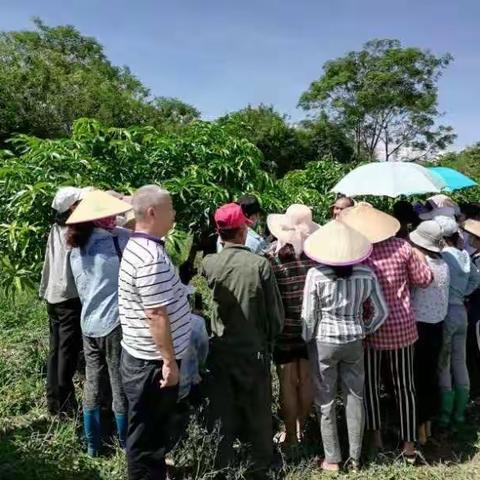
[446, 408]
[462, 396]
[121, 420]
[91, 427]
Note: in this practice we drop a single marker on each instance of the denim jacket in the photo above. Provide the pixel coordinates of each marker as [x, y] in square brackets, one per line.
[95, 270]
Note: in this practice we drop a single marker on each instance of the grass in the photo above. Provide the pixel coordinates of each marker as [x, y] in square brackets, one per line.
[34, 445]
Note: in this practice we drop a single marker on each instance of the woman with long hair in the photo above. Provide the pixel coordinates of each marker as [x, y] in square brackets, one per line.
[97, 247]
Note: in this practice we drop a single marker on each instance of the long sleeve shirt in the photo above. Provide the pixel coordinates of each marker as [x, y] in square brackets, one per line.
[333, 307]
[464, 275]
[248, 310]
[398, 269]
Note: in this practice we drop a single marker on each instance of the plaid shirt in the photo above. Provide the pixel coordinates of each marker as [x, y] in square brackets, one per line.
[398, 270]
[290, 273]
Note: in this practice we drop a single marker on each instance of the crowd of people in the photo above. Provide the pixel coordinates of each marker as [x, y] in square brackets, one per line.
[367, 302]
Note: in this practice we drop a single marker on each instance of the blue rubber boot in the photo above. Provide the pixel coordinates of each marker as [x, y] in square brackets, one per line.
[121, 420]
[91, 427]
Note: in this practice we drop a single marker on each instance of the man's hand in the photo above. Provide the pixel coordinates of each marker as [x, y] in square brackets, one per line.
[170, 374]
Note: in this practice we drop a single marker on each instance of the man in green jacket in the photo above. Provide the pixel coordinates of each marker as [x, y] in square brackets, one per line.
[248, 316]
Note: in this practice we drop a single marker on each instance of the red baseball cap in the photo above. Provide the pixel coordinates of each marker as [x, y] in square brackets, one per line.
[231, 216]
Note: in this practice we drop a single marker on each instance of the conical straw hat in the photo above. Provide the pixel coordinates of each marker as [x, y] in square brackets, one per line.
[376, 225]
[337, 244]
[472, 226]
[95, 205]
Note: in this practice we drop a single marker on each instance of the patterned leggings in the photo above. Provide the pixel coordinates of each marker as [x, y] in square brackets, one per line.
[400, 363]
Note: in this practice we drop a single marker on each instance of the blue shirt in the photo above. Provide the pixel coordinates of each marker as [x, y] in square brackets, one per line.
[95, 269]
[254, 242]
[196, 355]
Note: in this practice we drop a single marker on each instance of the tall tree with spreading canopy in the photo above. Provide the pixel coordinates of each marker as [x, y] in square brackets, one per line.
[386, 97]
[51, 76]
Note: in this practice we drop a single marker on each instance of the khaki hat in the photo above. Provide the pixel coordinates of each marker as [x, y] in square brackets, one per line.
[472, 226]
[428, 235]
[337, 245]
[95, 205]
[292, 227]
[376, 225]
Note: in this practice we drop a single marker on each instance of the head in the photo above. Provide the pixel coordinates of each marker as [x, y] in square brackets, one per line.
[340, 205]
[404, 212]
[251, 208]
[153, 209]
[232, 224]
[428, 237]
[65, 201]
[450, 231]
[470, 211]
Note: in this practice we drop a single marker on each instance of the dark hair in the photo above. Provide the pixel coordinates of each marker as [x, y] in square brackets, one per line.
[343, 272]
[404, 212]
[228, 234]
[470, 210]
[79, 234]
[61, 218]
[250, 205]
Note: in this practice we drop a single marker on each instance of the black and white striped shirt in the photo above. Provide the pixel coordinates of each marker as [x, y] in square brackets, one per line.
[147, 281]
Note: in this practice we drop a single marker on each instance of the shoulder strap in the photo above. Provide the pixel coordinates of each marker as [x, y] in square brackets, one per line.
[117, 247]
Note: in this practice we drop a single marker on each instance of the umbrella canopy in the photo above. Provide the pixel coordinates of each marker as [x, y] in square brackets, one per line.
[390, 179]
[454, 179]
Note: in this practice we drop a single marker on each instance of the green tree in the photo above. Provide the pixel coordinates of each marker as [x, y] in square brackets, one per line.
[51, 76]
[386, 97]
[284, 147]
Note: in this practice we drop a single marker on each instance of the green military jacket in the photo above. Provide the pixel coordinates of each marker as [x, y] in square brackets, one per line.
[248, 312]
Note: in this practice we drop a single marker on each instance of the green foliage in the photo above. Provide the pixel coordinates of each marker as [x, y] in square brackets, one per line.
[386, 97]
[35, 446]
[202, 166]
[52, 76]
[312, 186]
[466, 161]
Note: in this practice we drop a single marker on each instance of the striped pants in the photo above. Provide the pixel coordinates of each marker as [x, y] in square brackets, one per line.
[400, 364]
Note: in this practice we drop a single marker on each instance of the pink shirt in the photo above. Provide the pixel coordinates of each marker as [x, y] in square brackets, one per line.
[398, 270]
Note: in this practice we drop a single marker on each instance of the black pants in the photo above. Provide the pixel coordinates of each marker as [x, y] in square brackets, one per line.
[150, 412]
[400, 364]
[427, 352]
[240, 397]
[65, 345]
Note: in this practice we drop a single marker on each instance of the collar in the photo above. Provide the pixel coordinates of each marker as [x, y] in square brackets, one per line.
[148, 237]
[235, 245]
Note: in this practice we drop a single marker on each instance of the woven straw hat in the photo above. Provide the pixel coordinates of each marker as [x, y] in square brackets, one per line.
[293, 227]
[376, 225]
[95, 205]
[337, 245]
[472, 226]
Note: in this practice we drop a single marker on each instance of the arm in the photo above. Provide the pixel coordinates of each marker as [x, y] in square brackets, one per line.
[273, 300]
[473, 279]
[309, 307]
[159, 325]
[379, 309]
[155, 286]
[419, 273]
[202, 344]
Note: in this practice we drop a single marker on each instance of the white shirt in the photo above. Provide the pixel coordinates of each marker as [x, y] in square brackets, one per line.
[430, 305]
[148, 280]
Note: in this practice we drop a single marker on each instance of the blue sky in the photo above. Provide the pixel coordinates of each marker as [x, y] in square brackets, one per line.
[221, 55]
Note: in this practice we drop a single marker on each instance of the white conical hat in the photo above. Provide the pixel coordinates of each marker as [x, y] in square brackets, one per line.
[376, 225]
[337, 244]
[472, 226]
[95, 205]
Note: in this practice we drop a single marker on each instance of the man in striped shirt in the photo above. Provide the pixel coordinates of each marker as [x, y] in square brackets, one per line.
[155, 318]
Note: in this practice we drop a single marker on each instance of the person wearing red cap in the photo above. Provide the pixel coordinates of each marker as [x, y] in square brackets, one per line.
[248, 316]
